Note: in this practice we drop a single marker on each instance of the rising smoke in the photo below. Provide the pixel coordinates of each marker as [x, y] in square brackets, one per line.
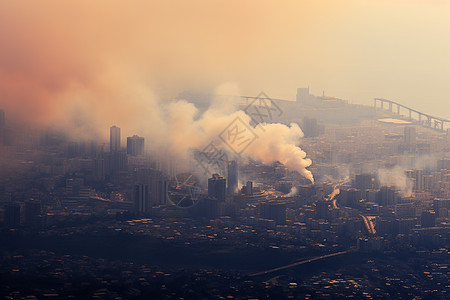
[292, 192]
[278, 142]
[183, 128]
[395, 177]
[72, 67]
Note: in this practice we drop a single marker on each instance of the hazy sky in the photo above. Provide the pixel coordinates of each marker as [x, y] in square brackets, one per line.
[55, 53]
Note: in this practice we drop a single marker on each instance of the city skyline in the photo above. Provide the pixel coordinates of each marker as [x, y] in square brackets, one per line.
[224, 149]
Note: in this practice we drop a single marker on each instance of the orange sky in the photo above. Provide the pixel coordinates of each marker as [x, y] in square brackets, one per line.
[60, 56]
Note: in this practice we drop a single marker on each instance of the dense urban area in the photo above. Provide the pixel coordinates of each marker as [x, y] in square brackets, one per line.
[99, 219]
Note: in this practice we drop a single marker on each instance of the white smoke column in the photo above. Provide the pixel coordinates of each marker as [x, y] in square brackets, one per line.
[182, 128]
[395, 177]
[292, 192]
[278, 142]
[185, 129]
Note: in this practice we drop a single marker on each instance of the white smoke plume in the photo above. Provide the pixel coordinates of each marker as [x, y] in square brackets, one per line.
[184, 129]
[292, 192]
[396, 177]
[278, 142]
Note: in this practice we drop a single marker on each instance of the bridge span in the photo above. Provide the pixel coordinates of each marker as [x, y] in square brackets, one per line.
[413, 115]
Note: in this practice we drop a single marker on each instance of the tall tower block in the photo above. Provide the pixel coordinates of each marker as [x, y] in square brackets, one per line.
[114, 139]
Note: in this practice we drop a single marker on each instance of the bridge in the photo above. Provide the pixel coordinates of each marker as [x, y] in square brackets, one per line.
[301, 263]
[412, 115]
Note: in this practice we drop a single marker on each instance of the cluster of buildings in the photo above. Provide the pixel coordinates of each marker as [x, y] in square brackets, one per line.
[381, 187]
[362, 203]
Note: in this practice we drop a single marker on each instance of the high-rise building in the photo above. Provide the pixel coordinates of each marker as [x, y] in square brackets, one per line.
[247, 189]
[350, 197]
[418, 180]
[114, 139]
[285, 186]
[387, 196]
[12, 215]
[427, 183]
[2, 118]
[32, 213]
[441, 207]
[158, 187]
[441, 203]
[274, 211]
[2, 127]
[217, 187]
[364, 181]
[428, 218]
[443, 164]
[116, 162]
[404, 226]
[405, 210]
[207, 207]
[72, 149]
[135, 145]
[99, 169]
[410, 135]
[322, 209]
[232, 177]
[155, 181]
[141, 198]
[76, 190]
[310, 127]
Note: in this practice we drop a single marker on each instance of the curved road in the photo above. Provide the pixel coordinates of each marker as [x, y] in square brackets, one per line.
[300, 263]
